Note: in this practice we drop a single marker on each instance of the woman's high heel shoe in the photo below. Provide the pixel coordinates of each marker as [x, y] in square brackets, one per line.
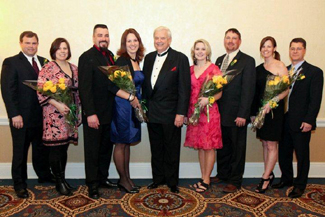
[132, 191]
[137, 187]
[272, 176]
[260, 188]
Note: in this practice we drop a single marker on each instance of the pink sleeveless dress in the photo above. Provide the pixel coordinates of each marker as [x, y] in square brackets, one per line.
[206, 135]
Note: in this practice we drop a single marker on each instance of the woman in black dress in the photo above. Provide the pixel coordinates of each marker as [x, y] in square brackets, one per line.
[270, 133]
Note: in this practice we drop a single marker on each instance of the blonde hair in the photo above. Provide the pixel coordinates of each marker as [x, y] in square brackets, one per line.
[207, 48]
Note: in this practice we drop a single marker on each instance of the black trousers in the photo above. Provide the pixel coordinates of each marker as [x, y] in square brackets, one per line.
[165, 143]
[231, 158]
[298, 142]
[98, 152]
[21, 140]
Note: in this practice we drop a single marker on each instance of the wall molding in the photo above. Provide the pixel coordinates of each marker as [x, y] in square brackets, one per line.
[143, 170]
[4, 121]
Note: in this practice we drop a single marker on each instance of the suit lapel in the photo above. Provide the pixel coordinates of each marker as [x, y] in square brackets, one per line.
[304, 69]
[232, 64]
[100, 57]
[220, 60]
[26, 64]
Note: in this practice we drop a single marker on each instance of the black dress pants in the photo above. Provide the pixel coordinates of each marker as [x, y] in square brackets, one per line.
[298, 142]
[21, 139]
[98, 152]
[165, 141]
[231, 158]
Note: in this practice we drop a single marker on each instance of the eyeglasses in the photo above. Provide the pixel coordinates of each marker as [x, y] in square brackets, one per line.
[296, 49]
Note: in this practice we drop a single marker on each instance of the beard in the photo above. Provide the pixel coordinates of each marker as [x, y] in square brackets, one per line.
[104, 46]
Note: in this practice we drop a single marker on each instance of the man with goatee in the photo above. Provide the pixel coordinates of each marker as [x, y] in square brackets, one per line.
[97, 94]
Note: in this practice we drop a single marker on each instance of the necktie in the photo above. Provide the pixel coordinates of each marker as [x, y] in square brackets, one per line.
[286, 100]
[225, 64]
[35, 66]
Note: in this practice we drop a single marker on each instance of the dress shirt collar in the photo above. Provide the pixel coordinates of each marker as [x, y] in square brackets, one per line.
[298, 65]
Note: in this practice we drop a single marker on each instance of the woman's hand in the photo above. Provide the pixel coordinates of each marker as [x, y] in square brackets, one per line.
[203, 101]
[267, 108]
[253, 119]
[63, 109]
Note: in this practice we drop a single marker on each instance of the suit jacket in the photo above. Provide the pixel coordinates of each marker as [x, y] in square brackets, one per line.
[237, 97]
[20, 99]
[95, 89]
[305, 98]
[171, 93]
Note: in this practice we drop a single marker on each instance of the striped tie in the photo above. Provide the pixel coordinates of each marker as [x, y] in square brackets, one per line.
[225, 64]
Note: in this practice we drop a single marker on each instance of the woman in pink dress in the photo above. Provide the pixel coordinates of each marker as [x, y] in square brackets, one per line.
[205, 136]
[57, 134]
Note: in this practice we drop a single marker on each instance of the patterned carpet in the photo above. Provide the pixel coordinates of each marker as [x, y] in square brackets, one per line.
[44, 201]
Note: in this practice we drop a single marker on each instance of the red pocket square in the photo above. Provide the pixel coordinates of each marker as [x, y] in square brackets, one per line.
[173, 69]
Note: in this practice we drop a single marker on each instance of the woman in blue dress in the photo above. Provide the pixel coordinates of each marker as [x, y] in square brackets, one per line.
[126, 129]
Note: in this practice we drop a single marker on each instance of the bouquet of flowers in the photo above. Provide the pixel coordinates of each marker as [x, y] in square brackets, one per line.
[274, 86]
[61, 93]
[210, 87]
[121, 76]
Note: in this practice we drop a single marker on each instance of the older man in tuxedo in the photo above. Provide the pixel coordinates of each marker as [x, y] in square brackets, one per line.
[304, 102]
[234, 107]
[25, 113]
[97, 94]
[166, 88]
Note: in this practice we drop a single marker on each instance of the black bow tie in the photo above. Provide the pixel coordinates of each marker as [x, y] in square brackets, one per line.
[163, 54]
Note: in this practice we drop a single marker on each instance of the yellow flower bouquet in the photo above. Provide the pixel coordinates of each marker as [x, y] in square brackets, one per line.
[274, 86]
[121, 76]
[210, 87]
[61, 93]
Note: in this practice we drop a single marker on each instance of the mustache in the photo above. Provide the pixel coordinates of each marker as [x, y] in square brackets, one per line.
[104, 42]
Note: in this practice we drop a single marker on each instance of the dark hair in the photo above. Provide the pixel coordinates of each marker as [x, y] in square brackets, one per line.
[297, 40]
[234, 31]
[56, 45]
[272, 40]
[28, 34]
[102, 26]
[123, 52]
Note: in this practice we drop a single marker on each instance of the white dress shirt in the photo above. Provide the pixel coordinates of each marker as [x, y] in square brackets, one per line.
[159, 62]
[31, 61]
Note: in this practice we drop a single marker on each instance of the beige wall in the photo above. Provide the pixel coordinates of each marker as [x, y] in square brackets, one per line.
[188, 21]
[141, 152]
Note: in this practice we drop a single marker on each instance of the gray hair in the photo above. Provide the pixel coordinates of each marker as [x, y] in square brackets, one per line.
[169, 33]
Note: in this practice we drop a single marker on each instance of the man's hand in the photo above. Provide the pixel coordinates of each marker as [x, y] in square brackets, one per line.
[305, 127]
[93, 121]
[240, 122]
[17, 122]
[179, 120]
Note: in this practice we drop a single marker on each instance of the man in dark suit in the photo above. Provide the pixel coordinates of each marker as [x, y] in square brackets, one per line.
[166, 88]
[25, 113]
[304, 102]
[97, 94]
[234, 107]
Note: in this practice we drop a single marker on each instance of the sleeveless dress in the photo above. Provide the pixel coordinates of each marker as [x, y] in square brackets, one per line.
[272, 128]
[125, 127]
[206, 135]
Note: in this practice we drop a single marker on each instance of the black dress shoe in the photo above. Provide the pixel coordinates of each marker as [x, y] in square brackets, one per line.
[93, 192]
[296, 192]
[108, 184]
[174, 189]
[153, 185]
[22, 193]
[282, 185]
